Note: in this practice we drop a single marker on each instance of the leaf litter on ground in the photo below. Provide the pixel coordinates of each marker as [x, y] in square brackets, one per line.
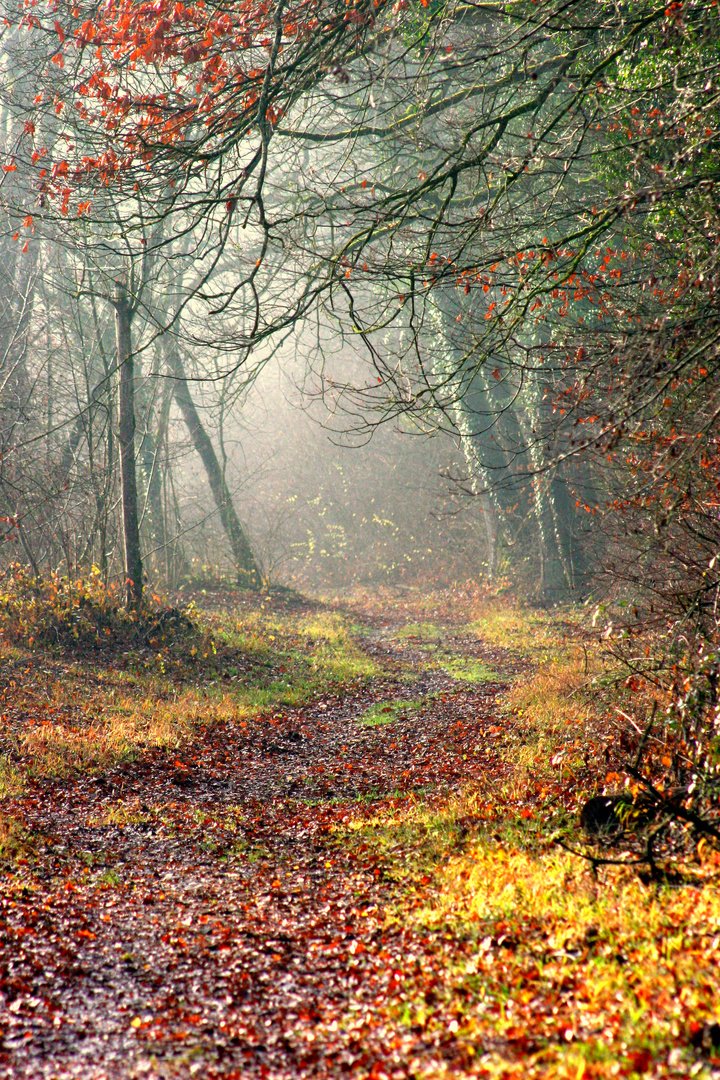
[291, 892]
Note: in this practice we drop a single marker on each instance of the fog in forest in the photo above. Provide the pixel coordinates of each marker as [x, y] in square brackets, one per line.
[323, 505]
[326, 511]
[405, 325]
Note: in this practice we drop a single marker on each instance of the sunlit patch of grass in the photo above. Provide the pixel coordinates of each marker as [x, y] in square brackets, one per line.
[247, 850]
[581, 971]
[473, 671]
[511, 627]
[109, 878]
[312, 650]
[237, 666]
[385, 712]
[109, 729]
[11, 779]
[558, 708]
[58, 750]
[421, 631]
[335, 651]
[123, 813]
[112, 729]
[419, 835]
[607, 955]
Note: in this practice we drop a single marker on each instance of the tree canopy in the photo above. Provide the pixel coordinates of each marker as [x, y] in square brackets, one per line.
[509, 210]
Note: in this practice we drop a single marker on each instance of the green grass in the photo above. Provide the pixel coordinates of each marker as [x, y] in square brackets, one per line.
[15, 840]
[386, 712]
[306, 655]
[518, 628]
[597, 976]
[423, 631]
[474, 671]
[11, 778]
[110, 878]
[441, 643]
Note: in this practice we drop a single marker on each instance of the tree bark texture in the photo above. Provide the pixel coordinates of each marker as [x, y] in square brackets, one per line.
[246, 569]
[126, 438]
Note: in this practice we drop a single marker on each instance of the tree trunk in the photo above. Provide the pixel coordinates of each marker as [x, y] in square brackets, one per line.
[246, 569]
[151, 448]
[126, 436]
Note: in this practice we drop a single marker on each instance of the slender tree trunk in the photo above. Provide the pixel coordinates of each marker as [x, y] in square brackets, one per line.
[126, 436]
[104, 493]
[151, 469]
[28, 551]
[246, 569]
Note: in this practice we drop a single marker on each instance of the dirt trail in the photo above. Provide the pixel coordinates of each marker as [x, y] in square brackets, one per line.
[201, 914]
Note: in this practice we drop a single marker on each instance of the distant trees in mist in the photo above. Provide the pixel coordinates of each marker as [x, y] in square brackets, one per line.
[494, 227]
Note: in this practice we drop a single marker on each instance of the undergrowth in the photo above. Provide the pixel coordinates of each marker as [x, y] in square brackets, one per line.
[81, 616]
[17, 845]
[578, 974]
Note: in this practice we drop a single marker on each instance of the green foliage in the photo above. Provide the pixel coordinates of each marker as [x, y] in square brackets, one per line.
[59, 612]
[421, 632]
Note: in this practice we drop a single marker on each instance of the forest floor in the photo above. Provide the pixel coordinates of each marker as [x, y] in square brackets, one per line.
[313, 841]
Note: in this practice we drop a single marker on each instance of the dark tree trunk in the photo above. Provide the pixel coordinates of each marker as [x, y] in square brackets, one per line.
[126, 435]
[246, 569]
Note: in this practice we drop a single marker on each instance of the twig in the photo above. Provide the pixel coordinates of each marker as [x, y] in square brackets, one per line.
[641, 747]
[629, 719]
[598, 860]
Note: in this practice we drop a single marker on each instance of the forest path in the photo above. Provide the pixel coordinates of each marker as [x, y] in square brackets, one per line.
[215, 913]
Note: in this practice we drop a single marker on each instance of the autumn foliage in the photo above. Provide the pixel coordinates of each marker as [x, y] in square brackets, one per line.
[164, 89]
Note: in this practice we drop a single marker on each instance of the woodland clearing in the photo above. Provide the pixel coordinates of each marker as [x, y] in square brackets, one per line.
[281, 838]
